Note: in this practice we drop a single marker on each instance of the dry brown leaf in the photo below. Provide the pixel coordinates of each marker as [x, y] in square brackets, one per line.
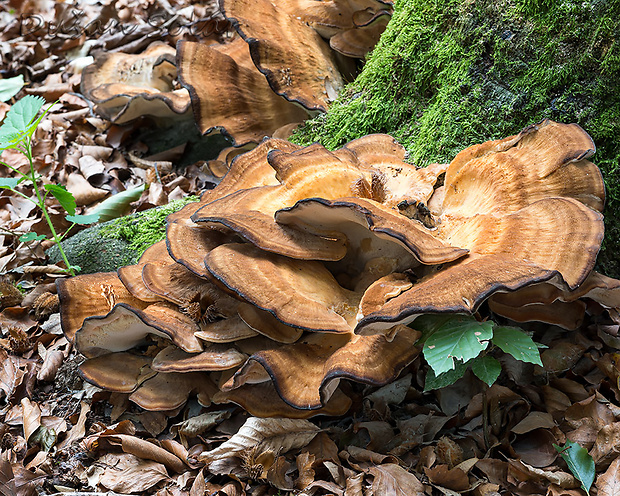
[277, 475]
[78, 431]
[125, 473]
[607, 444]
[8, 374]
[354, 485]
[143, 449]
[195, 426]
[559, 478]
[534, 420]
[51, 363]
[608, 484]
[454, 479]
[268, 434]
[306, 473]
[323, 449]
[393, 480]
[536, 447]
[31, 415]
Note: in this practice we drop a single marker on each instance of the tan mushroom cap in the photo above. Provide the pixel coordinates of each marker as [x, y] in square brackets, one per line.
[230, 94]
[120, 330]
[188, 242]
[384, 232]
[225, 331]
[127, 86]
[311, 172]
[357, 41]
[262, 400]
[89, 295]
[297, 62]
[125, 327]
[319, 361]
[131, 275]
[299, 293]
[507, 253]
[169, 391]
[545, 160]
[568, 315]
[266, 324]
[172, 359]
[117, 372]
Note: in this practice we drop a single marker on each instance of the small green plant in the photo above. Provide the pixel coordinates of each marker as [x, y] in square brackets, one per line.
[16, 133]
[453, 343]
[580, 463]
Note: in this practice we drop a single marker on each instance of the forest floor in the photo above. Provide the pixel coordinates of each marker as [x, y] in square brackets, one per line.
[60, 435]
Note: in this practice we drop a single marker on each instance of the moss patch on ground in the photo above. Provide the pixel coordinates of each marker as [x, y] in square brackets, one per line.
[106, 247]
[448, 74]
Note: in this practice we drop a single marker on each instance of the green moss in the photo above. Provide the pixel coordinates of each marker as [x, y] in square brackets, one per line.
[448, 74]
[106, 247]
[145, 228]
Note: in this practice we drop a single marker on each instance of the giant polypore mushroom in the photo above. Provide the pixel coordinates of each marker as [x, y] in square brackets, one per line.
[127, 86]
[303, 266]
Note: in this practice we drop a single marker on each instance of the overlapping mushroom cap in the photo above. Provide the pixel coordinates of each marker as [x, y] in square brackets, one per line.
[300, 269]
[126, 86]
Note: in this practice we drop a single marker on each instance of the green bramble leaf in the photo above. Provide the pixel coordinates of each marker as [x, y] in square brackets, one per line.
[448, 378]
[10, 87]
[9, 182]
[83, 219]
[486, 368]
[31, 236]
[452, 337]
[64, 197]
[20, 121]
[517, 343]
[579, 462]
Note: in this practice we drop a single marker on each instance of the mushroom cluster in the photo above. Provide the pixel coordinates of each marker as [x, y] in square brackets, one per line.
[305, 266]
[288, 61]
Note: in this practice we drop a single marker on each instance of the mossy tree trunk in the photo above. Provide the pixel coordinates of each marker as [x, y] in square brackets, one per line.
[448, 74]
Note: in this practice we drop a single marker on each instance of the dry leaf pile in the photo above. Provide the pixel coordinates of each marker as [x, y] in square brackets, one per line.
[208, 321]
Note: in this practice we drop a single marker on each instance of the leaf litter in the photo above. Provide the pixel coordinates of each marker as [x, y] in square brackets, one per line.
[57, 435]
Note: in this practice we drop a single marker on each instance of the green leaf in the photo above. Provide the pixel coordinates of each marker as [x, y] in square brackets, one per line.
[457, 337]
[116, 205]
[83, 219]
[10, 87]
[64, 197]
[20, 121]
[517, 343]
[448, 378]
[579, 462]
[31, 236]
[486, 368]
[9, 182]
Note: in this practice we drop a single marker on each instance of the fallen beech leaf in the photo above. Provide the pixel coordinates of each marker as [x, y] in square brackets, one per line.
[354, 485]
[79, 429]
[562, 479]
[330, 487]
[268, 433]
[443, 476]
[126, 473]
[8, 376]
[144, 449]
[608, 484]
[323, 449]
[195, 426]
[392, 394]
[607, 444]
[535, 447]
[393, 480]
[31, 415]
[51, 363]
[306, 473]
[534, 420]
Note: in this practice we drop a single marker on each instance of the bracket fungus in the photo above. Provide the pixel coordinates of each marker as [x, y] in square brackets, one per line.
[306, 267]
[127, 86]
[286, 64]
